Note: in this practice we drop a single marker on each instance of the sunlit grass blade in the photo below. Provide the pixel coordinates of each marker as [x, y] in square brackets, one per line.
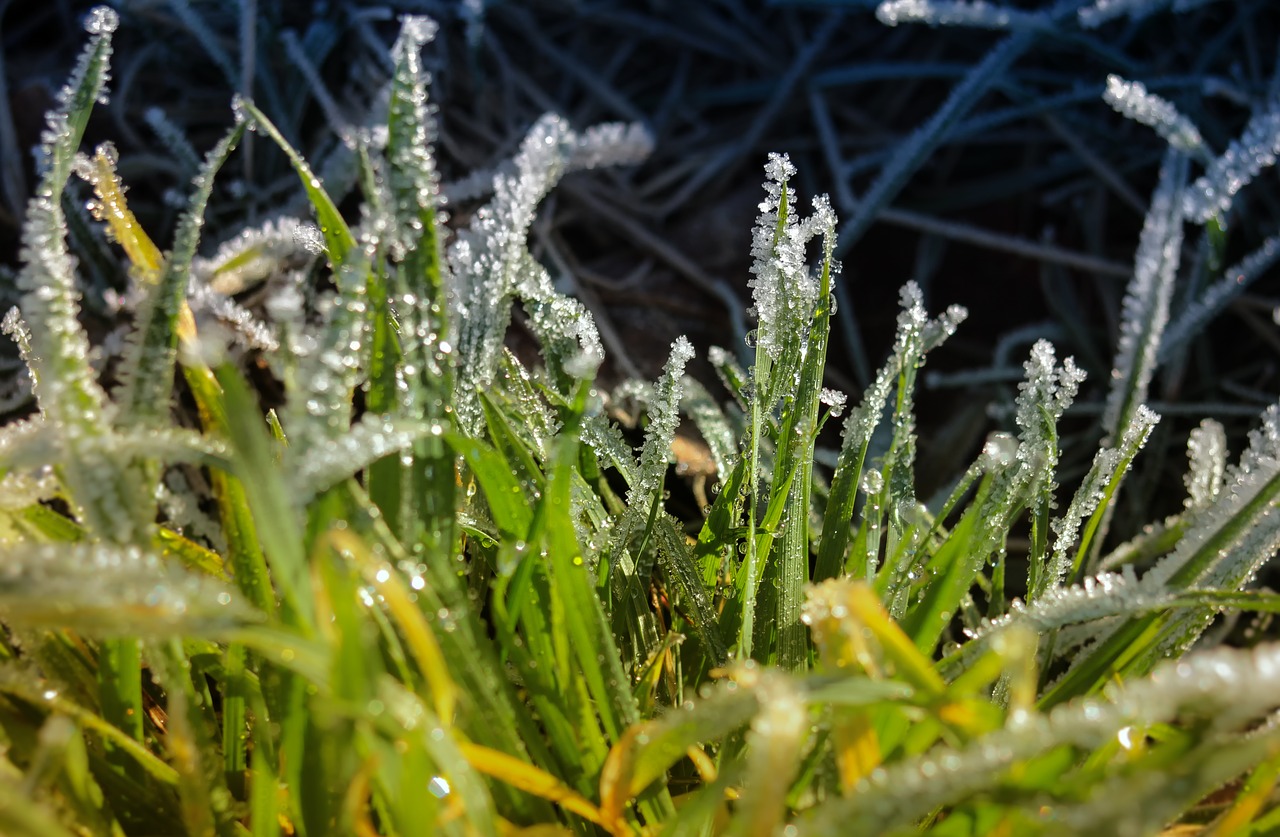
[163, 318]
[268, 499]
[337, 235]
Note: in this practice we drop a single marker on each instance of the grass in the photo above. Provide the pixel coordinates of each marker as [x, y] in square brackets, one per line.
[437, 590]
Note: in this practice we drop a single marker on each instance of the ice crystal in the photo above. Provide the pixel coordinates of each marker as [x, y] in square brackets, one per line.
[1234, 282]
[1145, 310]
[486, 257]
[413, 180]
[1225, 689]
[1066, 529]
[101, 20]
[174, 139]
[1045, 394]
[664, 416]
[834, 399]
[1131, 99]
[1225, 523]
[101, 590]
[612, 144]
[314, 470]
[916, 335]
[783, 288]
[255, 254]
[976, 13]
[711, 421]
[564, 327]
[1207, 460]
[1235, 168]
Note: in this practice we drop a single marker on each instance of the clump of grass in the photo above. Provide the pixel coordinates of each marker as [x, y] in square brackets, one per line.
[413, 599]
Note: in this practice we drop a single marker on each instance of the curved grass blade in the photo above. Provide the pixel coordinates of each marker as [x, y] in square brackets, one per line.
[163, 318]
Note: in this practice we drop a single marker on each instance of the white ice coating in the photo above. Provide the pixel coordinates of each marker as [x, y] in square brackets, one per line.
[664, 417]
[255, 254]
[1226, 689]
[315, 469]
[1207, 464]
[612, 144]
[1066, 529]
[1132, 100]
[103, 590]
[781, 284]
[1258, 466]
[1101, 11]
[1045, 394]
[1235, 168]
[101, 20]
[976, 13]
[486, 257]
[1145, 310]
[1234, 282]
[834, 399]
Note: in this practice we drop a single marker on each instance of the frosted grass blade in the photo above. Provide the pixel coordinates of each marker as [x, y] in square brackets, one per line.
[1145, 309]
[163, 317]
[337, 235]
[267, 496]
[643, 495]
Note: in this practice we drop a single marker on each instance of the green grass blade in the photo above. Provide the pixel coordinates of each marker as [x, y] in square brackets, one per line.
[147, 372]
[268, 498]
[337, 235]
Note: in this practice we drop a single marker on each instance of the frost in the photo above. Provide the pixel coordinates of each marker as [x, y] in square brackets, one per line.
[1066, 529]
[1207, 460]
[664, 416]
[19, 490]
[834, 399]
[1234, 282]
[417, 30]
[1226, 690]
[101, 20]
[487, 256]
[413, 181]
[565, 329]
[308, 237]
[313, 471]
[1215, 543]
[916, 335]
[254, 333]
[784, 291]
[1132, 100]
[101, 590]
[998, 451]
[712, 423]
[208, 40]
[1236, 167]
[255, 254]
[173, 138]
[1045, 395]
[872, 482]
[612, 144]
[1145, 310]
[976, 13]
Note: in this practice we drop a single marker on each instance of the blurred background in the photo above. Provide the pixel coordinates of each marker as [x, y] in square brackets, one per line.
[1024, 202]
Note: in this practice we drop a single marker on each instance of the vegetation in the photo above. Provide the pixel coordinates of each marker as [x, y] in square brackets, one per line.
[438, 591]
